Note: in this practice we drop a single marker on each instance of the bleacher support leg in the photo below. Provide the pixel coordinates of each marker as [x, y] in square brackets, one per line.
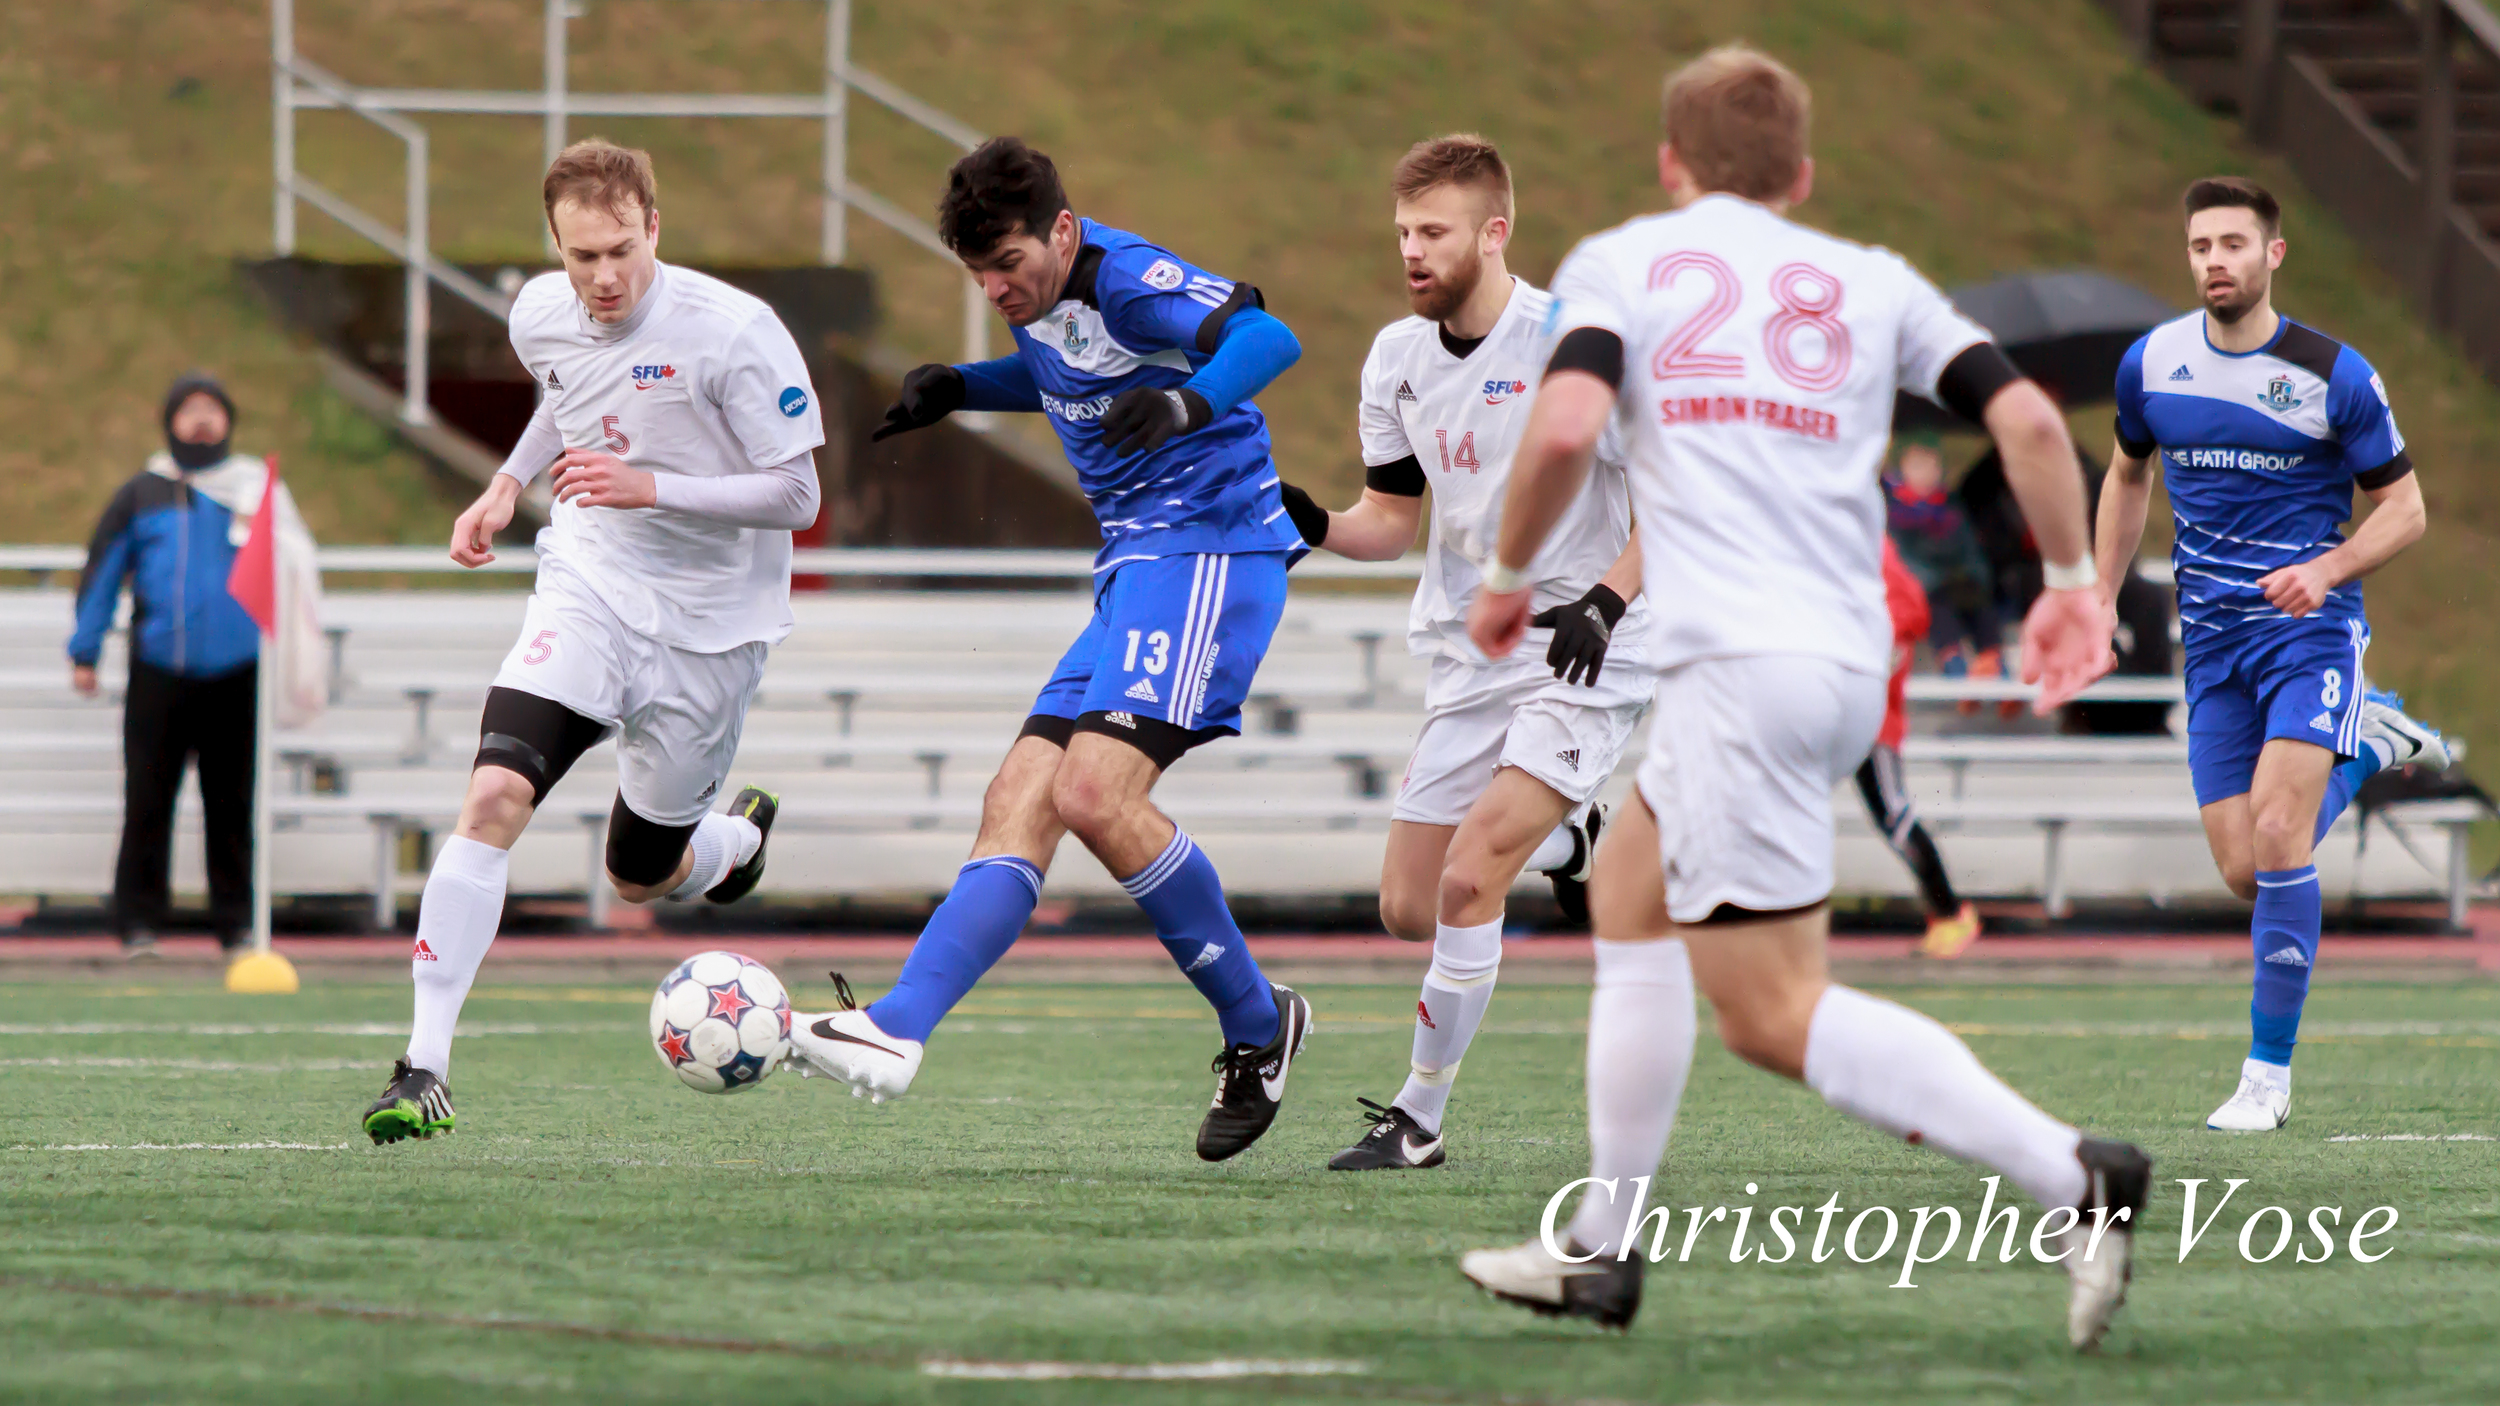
[595, 825]
[2053, 868]
[2460, 871]
[385, 873]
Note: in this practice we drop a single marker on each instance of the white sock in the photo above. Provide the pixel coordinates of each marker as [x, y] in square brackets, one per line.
[2278, 1075]
[719, 844]
[1641, 1028]
[462, 907]
[1900, 1071]
[1465, 962]
[1553, 852]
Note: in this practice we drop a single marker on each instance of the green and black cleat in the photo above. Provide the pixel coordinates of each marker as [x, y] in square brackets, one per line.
[758, 806]
[415, 1105]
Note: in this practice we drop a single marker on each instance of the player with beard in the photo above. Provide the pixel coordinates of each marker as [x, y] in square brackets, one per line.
[2264, 427]
[1507, 767]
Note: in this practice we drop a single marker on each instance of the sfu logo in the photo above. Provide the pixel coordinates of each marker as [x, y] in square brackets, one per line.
[645, 377]
[1495, 392]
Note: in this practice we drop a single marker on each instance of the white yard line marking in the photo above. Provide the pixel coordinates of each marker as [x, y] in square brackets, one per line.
[1141, 1371]
[186, 1147]
[2414, 1137]
[205, 1066]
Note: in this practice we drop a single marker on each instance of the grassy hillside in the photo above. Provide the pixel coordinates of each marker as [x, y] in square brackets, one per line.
[1978, 136]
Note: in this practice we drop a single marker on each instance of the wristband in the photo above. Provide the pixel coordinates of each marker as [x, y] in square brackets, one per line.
[2075, 576]
[1503, 580]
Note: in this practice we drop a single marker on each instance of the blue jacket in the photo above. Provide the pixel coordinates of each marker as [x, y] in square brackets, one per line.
[175, 546]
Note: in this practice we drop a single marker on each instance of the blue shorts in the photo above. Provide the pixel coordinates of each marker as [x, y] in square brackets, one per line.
[2299, 679]
[1176, 639]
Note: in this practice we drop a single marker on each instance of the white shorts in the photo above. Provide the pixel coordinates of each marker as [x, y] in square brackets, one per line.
[1743, 757]
[677, 714]
[1480, 718]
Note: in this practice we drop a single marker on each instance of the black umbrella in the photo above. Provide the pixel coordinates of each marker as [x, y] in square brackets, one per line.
[2066, 330]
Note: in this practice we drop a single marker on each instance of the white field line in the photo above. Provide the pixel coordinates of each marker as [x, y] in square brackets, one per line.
[206, 1066]
[1140, 1371]
[185, 1147]
[2414, 1137]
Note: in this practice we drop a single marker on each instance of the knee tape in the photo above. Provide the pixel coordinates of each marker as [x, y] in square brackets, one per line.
[534, 736]
[643, 852]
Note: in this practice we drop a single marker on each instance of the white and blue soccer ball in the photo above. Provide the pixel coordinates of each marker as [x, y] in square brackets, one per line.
[721, 1021]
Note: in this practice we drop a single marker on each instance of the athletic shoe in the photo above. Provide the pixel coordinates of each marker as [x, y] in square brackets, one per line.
[2118, 1180]
[139, 942]
[1948, 938]
[1605, 1290]
[758, 806]
[1571, 881]
[1250, 1081]
[2261, 1104]
[1396, 1140]
[845, 1044]
[415, 1105]
[2408, 742]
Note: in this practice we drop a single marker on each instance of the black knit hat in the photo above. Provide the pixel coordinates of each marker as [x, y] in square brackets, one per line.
[192, 383]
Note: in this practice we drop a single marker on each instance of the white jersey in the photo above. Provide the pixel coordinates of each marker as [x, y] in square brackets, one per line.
[701, 380]
[1460, 417]
[1760, 360]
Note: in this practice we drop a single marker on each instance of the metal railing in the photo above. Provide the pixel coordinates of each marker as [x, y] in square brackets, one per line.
[298, 85]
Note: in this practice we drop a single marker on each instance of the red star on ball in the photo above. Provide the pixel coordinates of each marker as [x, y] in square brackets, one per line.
[673, 1044]
[728, 1001]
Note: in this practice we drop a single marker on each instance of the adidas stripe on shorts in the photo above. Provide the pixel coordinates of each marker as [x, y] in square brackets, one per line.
[1177, 639]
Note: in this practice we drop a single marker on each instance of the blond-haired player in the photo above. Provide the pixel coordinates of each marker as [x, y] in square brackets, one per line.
[1512, 752]
[1751, 364]
[677, 415]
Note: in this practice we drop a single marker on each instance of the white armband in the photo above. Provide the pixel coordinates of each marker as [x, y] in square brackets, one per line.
[2074, 576]
[1503, 580]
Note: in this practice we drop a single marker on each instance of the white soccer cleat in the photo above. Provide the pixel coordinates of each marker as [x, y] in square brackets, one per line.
[2407, 741]
[2118, 1181]
[846, 1045]
[2262, 1103]
[1604, 1290]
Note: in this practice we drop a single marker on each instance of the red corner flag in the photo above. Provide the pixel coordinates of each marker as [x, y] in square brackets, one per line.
[254, 580]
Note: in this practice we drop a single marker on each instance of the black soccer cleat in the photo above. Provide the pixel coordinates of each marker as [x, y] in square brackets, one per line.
[2117, 1182]
[1605, 1290]
[759, 806]
[415, 1105]
[1250, 1081]
[1571, 881]
[1396, 1141]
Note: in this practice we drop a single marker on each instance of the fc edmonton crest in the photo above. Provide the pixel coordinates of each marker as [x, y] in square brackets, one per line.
[2279, 395]
[1076, 341]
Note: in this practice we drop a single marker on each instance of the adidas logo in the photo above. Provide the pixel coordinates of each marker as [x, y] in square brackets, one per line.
[2287, 957]
[1406, 392]
[1126, 720]
[1425, 1016]
[424, 953]
[2183, 374]
[1570, 758]
[1206, 957]
[709, 792]
[1143, 691]
[552, 383]
[2323, 723]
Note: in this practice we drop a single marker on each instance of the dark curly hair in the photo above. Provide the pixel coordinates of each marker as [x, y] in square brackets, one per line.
[999, 188]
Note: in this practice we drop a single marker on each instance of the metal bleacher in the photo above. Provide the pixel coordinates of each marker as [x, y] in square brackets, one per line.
[882, 717]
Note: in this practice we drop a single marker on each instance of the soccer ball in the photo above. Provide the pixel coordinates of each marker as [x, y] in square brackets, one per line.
[720, 1022]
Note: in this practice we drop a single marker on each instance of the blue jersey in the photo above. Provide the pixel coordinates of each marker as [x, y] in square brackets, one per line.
[2260, 451]
[1134, 315]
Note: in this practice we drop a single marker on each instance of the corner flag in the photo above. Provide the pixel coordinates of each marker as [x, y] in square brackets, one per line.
[254, 580]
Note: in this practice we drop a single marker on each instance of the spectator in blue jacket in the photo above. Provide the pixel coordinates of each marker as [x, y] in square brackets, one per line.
[194, 656]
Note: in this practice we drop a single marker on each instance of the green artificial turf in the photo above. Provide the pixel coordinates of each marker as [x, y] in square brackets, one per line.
[1036, 1200]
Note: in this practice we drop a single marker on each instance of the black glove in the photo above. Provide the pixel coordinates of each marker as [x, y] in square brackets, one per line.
[1142, 418]
[930, 394]
[1582, 631]
[1309, 518]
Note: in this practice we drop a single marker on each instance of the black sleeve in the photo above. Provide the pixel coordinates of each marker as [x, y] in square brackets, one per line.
[2387, 473]
[2143, 449]
[1593, 350]
[1973, 379]
[1399, 478]
[108, 531]
[1211, 328]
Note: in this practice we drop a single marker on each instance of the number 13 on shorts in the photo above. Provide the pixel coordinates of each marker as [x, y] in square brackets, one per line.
[1158, 651]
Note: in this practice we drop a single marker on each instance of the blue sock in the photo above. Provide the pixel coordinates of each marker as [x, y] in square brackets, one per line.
[965, 937]
[2285, 935]
[2342, 784]
[1181, 892]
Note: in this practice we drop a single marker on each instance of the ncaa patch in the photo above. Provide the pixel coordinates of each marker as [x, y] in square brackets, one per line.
[793, 402]
[1163, 274]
